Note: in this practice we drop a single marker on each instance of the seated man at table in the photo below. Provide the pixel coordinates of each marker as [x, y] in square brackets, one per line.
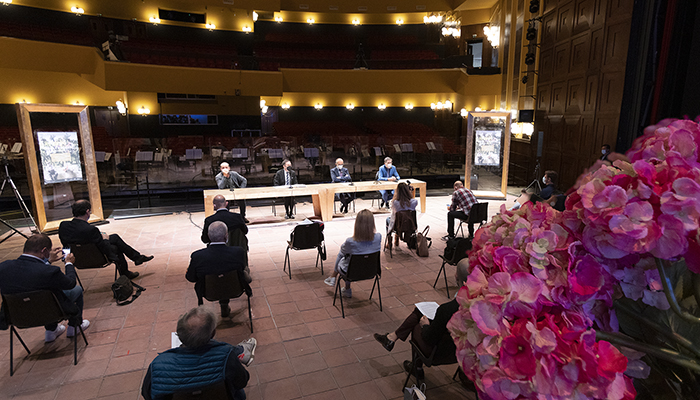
[227, 179]
[217, 258]
[387, 172]
[286, 177]
[221, 213]
[429, 334]
[33, 271]
[341, 174]
[79, 231]
[200, 361]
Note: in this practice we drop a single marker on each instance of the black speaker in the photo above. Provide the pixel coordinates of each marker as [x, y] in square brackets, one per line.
[526, 116]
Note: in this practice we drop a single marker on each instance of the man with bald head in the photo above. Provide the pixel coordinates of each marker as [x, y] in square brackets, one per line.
[217, 258]
[427, 333]
[221, 213]
[462, 201]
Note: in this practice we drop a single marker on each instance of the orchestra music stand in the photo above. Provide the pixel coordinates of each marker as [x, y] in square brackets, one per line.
[20, 201]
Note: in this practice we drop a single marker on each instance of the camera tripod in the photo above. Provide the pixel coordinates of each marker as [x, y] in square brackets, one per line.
[536, 181]
[25, 211]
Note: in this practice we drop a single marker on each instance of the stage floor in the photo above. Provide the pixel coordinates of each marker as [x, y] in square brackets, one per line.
[305, 348]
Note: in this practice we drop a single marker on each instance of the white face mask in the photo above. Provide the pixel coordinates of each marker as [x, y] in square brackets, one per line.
[604, 151]
[388, 166]
[225, 170]
[340, 166]
[544, 180]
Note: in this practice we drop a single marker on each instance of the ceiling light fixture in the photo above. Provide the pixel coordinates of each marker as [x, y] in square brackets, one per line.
[493, 34]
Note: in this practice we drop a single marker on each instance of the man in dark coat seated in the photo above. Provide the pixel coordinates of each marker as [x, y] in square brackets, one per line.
[200, 361]
[33, 271]
[429, 334]
[221, 213]
[217, 258]
[79, 231]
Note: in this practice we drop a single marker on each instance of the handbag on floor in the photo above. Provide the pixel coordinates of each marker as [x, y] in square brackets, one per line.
[414, 392]
[423, 243]
[123, 288]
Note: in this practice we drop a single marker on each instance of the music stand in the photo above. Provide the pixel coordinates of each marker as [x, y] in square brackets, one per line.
[20, 201]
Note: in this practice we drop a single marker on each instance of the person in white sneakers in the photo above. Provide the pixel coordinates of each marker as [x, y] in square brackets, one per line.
[200, 361]
[33, 271]
[365, 240]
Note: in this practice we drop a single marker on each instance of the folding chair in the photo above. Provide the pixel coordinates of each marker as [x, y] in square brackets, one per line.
[479, 214]
[404, 226]
[229, 285]
[460, 252]
[427, 360]
[32, 309]
[362, 267]
[216, 391]
[304, 237]
[89, 256]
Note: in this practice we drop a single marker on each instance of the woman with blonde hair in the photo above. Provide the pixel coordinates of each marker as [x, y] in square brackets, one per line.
[365, 240]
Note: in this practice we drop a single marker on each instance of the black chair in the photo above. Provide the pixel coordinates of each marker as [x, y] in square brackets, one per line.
[479, 214]
[305, 237]
[33, 309]
[460, 252]
[230, 285]
[361, 267]
[404, 226]
[216, 391]
[89, 256]
[427, 360]
[236, 237]
[336, 198]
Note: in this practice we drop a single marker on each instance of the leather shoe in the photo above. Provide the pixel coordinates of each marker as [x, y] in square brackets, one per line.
[225, 311]
[408, 367]
[131, 274]
[246, 220]
[384, 340]
[143, 259]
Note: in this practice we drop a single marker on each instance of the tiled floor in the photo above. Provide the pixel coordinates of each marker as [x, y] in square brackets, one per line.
[305, 348]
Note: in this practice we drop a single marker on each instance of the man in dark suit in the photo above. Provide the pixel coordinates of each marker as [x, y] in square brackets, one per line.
[79, 231]
[429, 334]
[227, 179]
[221, 213]
[286, 177]
[341, 174]
[33, 271]
[217, 258]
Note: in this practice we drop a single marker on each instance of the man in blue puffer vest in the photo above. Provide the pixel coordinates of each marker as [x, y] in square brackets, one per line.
[200, 361]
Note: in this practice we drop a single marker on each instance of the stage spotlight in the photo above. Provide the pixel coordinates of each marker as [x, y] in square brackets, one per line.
[529, 58]
[531, 33]
[524, 80]
[534, 6]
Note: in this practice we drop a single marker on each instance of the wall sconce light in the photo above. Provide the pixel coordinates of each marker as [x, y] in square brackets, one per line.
[255, 16]
[356, 22]
[463, 112]
[144, 111]
[23, 101]
[5, 2]
[439, 105]
[454, 32]
[381, 107]
[433, 106]
[350, 107]
[263, 109]
[279, 19]
[285, 106]
[77, 10]
[78, 103]
[247, 29]
[311, 21]
[211, 27]
[493, 34]
[399, 22]
[155, 20]
[121, 107]
[477, 108]
[409, 106]
[447, 105]
[318, 106]
[432, 19]
[262, 103]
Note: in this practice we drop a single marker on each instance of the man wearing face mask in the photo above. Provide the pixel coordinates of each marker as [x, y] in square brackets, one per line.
[33, 271]
[550, 180]
[227, 179]
[341, 174]
[605, 150]
[387, 172]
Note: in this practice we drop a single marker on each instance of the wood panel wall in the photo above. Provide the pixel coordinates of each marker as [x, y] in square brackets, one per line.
[581, 78]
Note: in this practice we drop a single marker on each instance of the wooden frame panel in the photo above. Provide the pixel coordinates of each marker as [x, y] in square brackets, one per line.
[470, 152]
[32, 165]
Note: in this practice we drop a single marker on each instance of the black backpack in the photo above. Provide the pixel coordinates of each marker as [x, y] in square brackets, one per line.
[465, 244]
[123, 288]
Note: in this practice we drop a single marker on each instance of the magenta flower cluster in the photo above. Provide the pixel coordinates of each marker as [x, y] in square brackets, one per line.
[541, 280]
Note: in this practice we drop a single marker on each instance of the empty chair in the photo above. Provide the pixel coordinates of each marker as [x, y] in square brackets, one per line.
[478, 214]
[230, 285]
[305, 237]
[33, 309]
[362, 267]
[89, 256]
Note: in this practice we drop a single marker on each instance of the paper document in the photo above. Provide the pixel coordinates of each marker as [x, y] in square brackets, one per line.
[428, 308]
[174, 340]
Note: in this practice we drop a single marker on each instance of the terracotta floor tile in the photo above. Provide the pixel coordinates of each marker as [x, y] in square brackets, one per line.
[273, 371]
[308, 363]
[281, 389]
[300, 347]
[120, 383]
[363, 391]
[87, 370]
[130, 362]
[329, 341]
[46, 394]
[339, 356]
[316, 382]
[295, 332]
[350, 374]
[82, 390]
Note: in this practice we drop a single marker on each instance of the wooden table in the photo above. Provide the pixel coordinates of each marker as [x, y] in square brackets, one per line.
[322, 194]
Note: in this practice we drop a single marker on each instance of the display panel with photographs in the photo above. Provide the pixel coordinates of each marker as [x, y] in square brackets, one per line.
[487, 148]
[60, 157]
